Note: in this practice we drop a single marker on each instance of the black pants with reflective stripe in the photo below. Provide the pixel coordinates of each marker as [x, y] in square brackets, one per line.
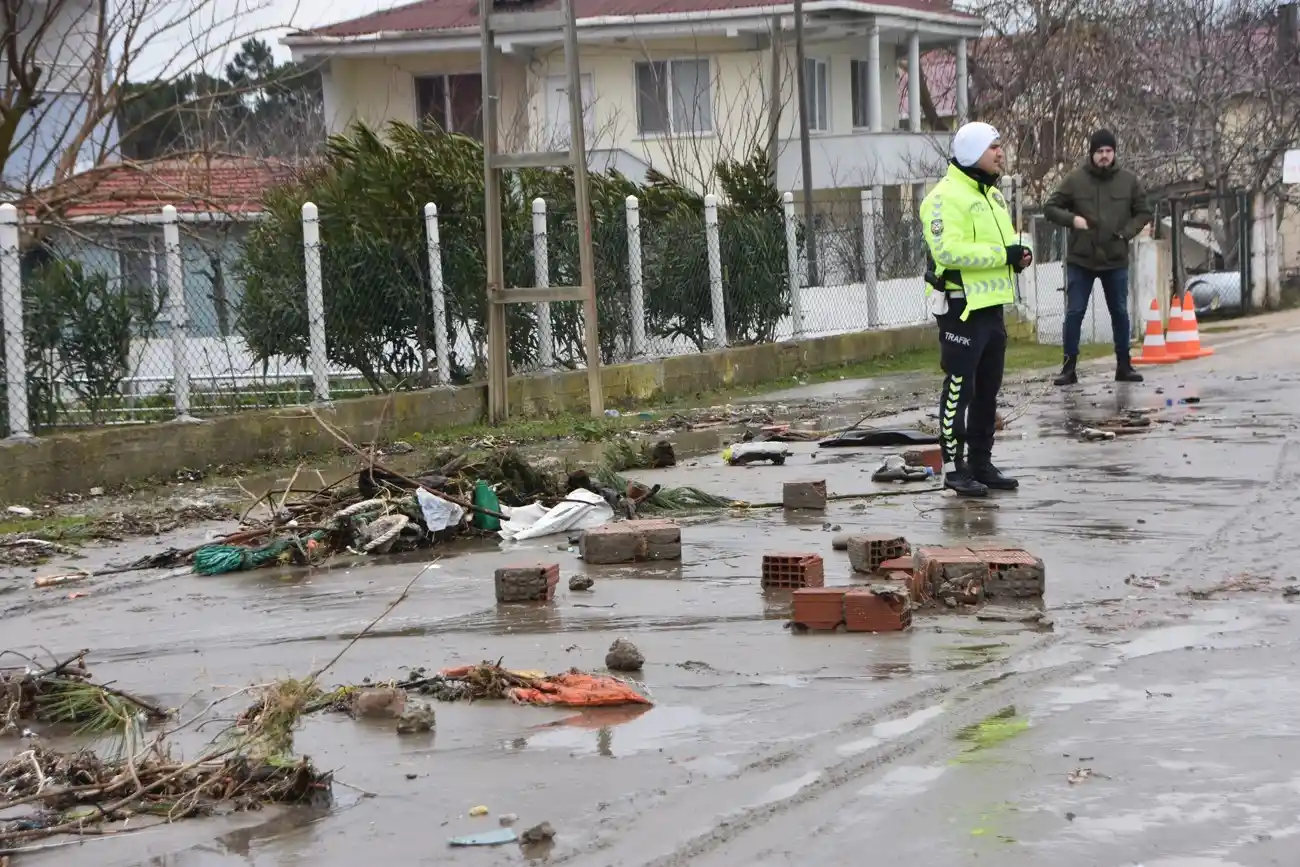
[972, 355]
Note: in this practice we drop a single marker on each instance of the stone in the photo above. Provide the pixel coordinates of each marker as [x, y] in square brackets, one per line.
[804, 495]
[624, 656]
[581, 582]
[538, 833]
[527, 583]
[840, 542]
[383, 702]
[662, 455]
[417, 720]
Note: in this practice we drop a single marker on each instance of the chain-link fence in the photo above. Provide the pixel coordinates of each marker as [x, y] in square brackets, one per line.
[165, 316]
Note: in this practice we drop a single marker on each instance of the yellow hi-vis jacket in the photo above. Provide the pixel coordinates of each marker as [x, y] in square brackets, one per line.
[968, 229]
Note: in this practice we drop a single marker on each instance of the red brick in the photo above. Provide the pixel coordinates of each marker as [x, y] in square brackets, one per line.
[527, 583]
[866, 610]
[898, 564]
[956, 573]
[1014, 574]
[792, 571]
[804, 495]
[914, 582]
[930, 456]
[820, 608]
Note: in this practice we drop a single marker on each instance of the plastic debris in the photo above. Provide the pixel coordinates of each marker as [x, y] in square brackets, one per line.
[480, 810]
[497, 837]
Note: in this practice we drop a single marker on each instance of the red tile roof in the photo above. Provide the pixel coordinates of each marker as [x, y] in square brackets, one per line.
[438, 15]
[198, 184]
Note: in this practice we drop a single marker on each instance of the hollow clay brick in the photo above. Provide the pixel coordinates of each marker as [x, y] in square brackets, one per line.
[820, 608]
[527, 583]
[1013, 574]
[866, 610]
[952, 573]
[792, 571]
[866, 553]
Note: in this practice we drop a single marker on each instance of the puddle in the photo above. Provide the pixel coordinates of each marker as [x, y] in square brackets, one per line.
[905, 781]
[886, 731]
[782, 791]
[619, 732]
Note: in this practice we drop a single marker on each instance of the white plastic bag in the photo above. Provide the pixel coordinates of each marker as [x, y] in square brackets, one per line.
[580, 510]
[439, 514]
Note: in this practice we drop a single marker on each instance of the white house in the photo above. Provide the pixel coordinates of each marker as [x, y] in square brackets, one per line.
[671, 84]
[58, 37]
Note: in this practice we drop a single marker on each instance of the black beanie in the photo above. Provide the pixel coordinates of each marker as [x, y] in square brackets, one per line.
[1102, 138]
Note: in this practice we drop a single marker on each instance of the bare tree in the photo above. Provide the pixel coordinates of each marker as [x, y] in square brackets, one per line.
[69, 64]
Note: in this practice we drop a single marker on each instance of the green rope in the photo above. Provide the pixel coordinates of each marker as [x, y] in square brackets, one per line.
[220, 559]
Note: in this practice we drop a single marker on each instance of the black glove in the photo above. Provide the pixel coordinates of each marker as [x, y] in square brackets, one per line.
[1016, 254]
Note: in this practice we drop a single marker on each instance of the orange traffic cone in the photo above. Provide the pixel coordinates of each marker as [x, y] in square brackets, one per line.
[1154, 350]
[1178, 337]
[1192, 345]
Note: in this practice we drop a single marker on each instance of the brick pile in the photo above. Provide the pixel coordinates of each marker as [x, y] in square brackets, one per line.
[793, 571]
[632, 542]
[527, 583]
[969, 575]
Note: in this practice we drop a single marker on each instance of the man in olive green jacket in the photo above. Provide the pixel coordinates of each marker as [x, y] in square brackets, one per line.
[1104, 207]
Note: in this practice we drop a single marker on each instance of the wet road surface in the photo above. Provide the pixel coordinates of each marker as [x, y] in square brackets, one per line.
[1147, 725]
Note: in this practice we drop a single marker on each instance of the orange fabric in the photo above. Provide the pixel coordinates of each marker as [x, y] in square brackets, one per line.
[579, 690]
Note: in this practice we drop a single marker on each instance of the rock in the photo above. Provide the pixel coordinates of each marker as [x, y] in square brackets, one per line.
[416, 721]
[379, 703]
[581, 582]
[538, 834]
[624, 656]
[507, 819]
[662, 455]
[840, 542]
[20, 511]
[97, 492]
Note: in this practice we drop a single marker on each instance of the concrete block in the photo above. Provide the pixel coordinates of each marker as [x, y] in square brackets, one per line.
[866, 553]
[1013, 574]
[804, 495]
[793, 571]
[527, 583]
[820, 608]
[927, 456]
[883, 609]
[632, 542]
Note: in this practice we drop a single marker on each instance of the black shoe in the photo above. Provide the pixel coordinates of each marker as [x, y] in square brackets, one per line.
[1068, 375]
[991, 477]
[960, 480]
[1124, 372]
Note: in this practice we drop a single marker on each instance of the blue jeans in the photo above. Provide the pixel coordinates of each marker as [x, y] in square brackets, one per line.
[1078, 289]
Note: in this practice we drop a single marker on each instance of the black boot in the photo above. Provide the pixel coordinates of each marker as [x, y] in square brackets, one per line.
[1124, 372]
[1068, 375]
[983, 471]
[961, 481]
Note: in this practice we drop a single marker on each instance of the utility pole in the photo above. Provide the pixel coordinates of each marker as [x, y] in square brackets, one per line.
[805, 145]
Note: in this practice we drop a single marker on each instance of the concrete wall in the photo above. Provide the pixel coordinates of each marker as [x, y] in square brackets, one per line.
[116, 455]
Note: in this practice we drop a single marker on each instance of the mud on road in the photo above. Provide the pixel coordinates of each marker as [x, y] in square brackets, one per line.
[1151, 722]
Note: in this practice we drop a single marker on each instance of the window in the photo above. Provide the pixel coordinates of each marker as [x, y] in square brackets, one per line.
[859, 88]
[452, 103]
[818, 93]
[143, 270]
[673, 97]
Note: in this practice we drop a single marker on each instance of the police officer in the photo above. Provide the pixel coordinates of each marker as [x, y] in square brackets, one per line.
[977, 254]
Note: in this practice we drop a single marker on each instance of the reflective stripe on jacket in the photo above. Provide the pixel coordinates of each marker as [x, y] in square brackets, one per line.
[968, 229]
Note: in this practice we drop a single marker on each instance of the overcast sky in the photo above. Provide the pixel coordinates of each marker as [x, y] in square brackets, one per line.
[271, 19]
